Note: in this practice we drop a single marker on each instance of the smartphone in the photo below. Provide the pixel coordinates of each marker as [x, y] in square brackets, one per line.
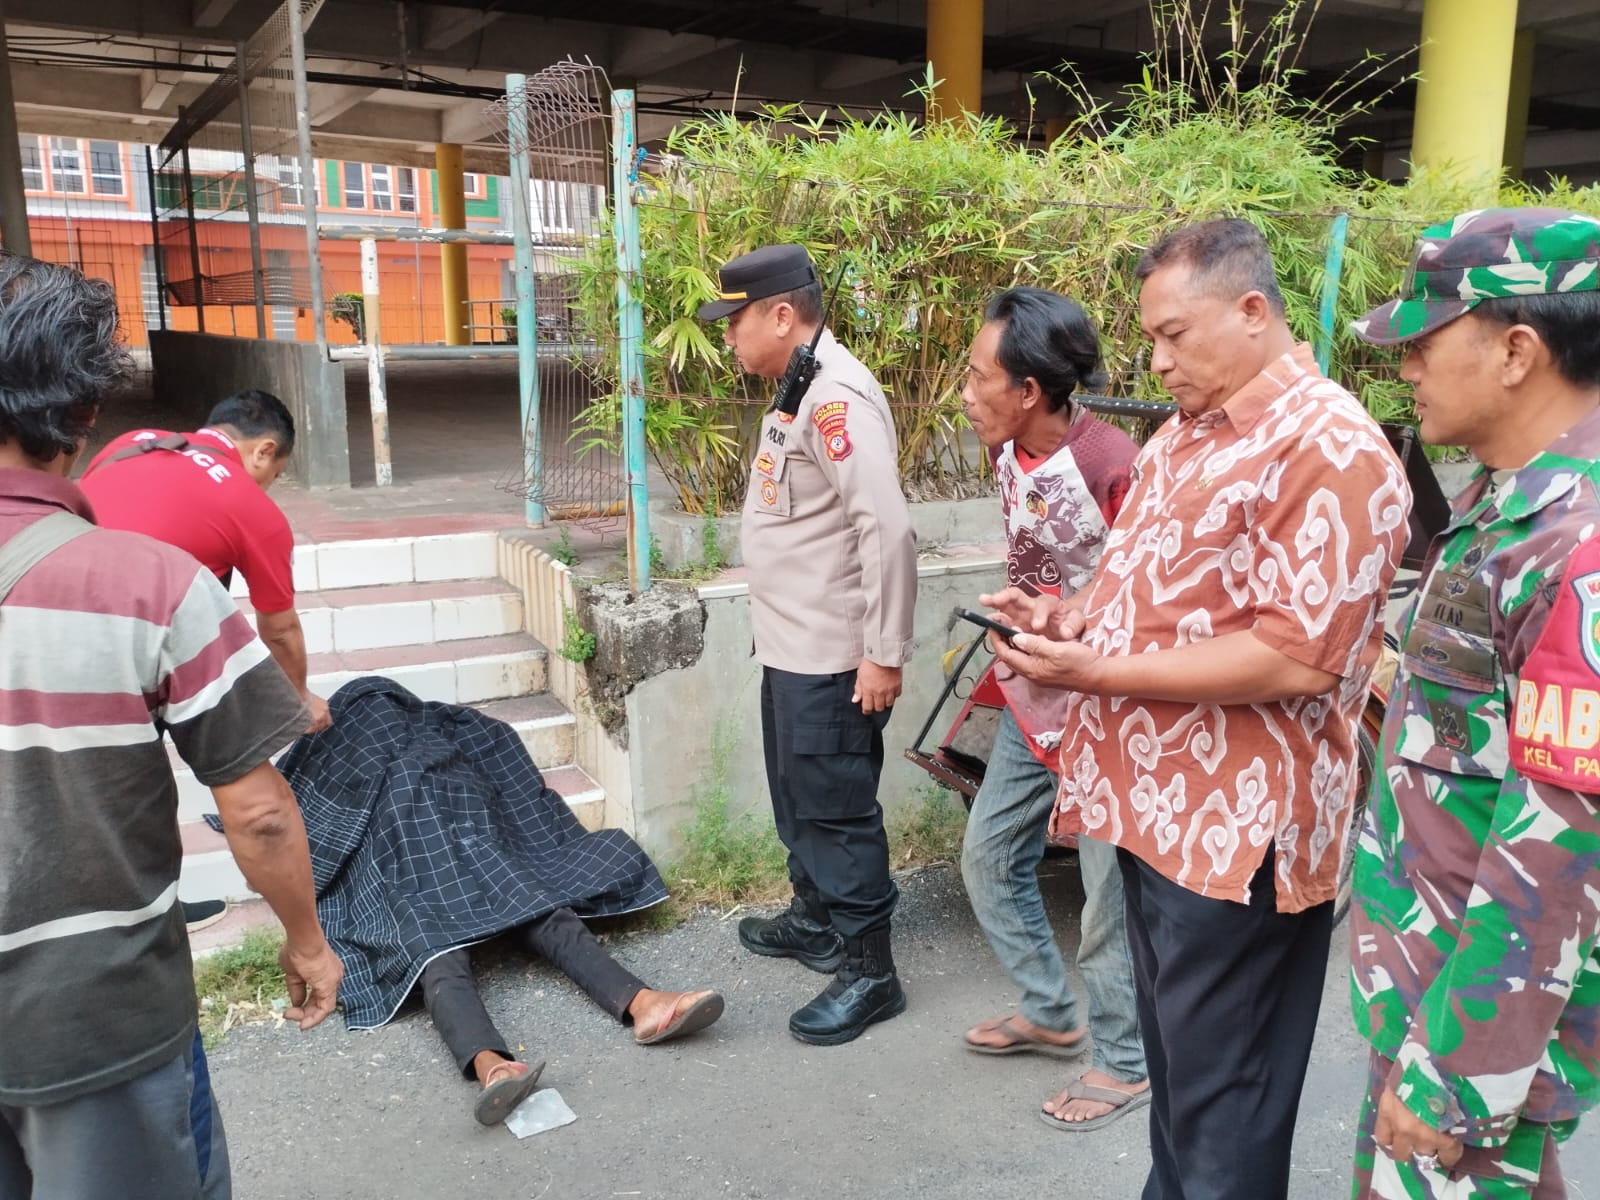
[1005, 631]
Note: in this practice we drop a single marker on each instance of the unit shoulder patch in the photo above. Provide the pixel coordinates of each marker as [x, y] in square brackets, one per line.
[830, 418]
[1555, 726]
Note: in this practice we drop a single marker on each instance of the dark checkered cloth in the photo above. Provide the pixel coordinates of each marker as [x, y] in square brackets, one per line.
[431, 828]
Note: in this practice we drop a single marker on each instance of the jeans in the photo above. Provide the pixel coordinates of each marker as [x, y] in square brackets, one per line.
[1000, 860]
[156, 1137]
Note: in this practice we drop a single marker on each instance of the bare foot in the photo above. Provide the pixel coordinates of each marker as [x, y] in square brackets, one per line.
[1070, 1110]
[1016, 1034]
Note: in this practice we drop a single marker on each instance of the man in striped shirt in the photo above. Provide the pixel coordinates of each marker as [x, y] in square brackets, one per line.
[107, 641]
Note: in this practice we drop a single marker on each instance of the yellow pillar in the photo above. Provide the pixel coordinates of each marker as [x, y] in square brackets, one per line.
[1517, 106]
[1464, 85]
[452, 256]
[955, 51]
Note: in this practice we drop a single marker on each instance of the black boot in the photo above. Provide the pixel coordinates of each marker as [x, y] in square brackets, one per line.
[802, 932]
[865, 990]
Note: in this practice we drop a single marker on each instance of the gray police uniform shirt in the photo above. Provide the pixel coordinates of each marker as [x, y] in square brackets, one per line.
[826, 532]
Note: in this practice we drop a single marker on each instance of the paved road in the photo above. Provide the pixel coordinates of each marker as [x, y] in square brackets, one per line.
[743, 1110]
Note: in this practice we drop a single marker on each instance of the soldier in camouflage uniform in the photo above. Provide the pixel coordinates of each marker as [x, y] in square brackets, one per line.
[1477, 904]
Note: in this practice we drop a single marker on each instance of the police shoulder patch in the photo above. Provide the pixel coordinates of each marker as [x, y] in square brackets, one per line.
[1555, 726]
[830, 418]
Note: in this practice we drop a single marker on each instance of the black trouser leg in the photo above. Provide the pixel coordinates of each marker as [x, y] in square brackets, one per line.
[566, 943]
[782, 812]
[457, 1010]
[1228, 996]
[824, 758]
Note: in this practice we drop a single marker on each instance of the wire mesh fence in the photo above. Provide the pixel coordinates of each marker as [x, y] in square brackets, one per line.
[560, 123]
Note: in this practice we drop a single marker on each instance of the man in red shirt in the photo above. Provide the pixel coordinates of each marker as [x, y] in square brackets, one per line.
[206, 493]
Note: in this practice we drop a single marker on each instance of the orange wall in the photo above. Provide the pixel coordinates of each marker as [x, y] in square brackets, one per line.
[408, 275]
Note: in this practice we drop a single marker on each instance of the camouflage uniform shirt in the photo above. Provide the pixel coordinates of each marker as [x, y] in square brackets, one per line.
[1477, 898]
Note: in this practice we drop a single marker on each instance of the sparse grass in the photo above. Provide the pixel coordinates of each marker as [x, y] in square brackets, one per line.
[564, 551]
[713, 560]
[239, 985]
[727, 859]
[928, 829]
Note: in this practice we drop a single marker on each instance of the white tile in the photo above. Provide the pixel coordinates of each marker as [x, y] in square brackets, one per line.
[455, 556]
[551, 742]
[722, 591]
[369, 626]
[499, 677]
[304, 564]
[329, 682]
[212, 876]
[238, 588]
[317, 623]
[194, 798]
[428, 681]
[476, 617]
[364, 564]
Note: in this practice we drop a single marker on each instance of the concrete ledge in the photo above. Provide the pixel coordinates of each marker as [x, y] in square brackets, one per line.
[681, 536]
[195, 370]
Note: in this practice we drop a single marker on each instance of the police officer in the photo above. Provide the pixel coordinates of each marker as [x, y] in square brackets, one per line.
[833, 577]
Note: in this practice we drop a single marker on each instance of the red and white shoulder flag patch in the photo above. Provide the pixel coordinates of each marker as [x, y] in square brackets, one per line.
[1555, 725]
[829, 419]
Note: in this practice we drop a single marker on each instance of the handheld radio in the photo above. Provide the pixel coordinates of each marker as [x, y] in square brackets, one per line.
[802, 368]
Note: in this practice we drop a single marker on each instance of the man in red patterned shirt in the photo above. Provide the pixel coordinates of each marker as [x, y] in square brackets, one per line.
[1218, 663]
[1062, 475]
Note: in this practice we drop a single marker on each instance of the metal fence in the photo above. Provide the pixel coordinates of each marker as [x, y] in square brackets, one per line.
[556, 127]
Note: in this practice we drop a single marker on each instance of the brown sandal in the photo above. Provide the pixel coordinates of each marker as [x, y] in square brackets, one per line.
[1023, 1040]
[680, 1022]
[507, 1085]
[1122, 1103]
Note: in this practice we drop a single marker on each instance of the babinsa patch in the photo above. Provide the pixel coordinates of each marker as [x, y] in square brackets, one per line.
[1555, 721]
[829, 419]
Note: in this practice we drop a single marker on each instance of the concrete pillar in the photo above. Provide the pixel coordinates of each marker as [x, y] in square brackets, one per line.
[955, 49]
[1372, 158]
[1465, 85]
[452, 255]
[13, 199]
[1517, 104]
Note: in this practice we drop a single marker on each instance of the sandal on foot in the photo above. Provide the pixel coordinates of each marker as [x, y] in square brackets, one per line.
[500, 1096]
[1023, 1040]
[684, 1021]
[1122, 1104]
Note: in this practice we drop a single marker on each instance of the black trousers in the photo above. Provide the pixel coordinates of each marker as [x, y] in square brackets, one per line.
[1228, 996]
[824, 757]
[457, 1010]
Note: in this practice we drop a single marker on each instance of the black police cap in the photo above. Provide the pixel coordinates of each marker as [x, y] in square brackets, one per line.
[769, 271]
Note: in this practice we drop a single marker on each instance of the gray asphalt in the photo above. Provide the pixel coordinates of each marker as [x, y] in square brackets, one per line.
[742, 1110]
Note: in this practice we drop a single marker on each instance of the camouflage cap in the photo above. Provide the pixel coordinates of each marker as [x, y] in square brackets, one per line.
[1481, 255]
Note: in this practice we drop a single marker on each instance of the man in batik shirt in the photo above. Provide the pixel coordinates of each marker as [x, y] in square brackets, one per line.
[1477, 907]
[1217, 663]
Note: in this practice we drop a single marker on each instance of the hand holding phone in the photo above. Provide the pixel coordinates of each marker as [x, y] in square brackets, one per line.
[1005, 631]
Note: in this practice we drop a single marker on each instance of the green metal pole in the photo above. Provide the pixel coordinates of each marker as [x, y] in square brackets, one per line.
[527, 321]
[1330, 289]
[630, 332]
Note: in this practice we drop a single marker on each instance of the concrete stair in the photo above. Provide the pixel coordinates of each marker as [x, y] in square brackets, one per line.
[429, 613]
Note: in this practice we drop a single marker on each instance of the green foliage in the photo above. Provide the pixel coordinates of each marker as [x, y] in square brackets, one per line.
[239, 984]
[931, 221]
[727, 860]
[928, 828]
[350, 307]
[564, 551]
[577, 643]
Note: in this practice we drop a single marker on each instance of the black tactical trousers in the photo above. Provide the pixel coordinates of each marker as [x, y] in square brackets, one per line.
[824, 758]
